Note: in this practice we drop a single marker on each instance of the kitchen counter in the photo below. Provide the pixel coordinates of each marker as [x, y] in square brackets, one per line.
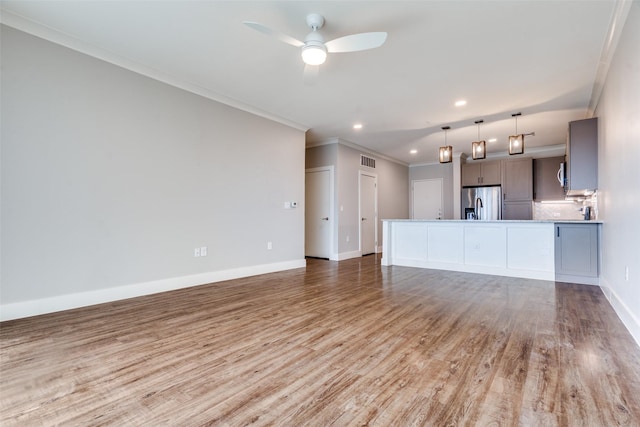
[546, 221]
[506, 248]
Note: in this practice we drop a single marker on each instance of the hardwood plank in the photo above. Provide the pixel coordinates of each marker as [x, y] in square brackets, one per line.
[349, 343]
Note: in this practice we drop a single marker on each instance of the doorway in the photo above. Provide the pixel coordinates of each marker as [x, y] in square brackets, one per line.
[368, 191]
[318, 220]
[427, 199]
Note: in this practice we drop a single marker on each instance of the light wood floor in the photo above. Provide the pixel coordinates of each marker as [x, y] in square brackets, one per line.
[345, 344]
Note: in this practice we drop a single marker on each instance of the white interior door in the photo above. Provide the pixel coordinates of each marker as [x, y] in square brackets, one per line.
[318, 213]
[368, 213]
[427, 199]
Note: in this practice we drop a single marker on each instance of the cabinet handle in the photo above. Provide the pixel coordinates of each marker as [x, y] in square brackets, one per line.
[558, 231]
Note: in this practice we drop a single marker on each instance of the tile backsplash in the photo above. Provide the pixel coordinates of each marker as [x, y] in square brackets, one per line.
[565, 209]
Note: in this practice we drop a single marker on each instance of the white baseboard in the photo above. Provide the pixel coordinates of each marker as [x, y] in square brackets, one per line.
[36, 307]
[629, 320]
[348, 255]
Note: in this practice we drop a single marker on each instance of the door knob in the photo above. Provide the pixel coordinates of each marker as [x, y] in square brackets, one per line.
[326, 218]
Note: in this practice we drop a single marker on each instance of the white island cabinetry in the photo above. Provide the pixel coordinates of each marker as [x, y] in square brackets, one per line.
[506, 248]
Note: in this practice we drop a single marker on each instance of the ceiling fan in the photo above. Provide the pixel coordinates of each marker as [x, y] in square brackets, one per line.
[314, 49]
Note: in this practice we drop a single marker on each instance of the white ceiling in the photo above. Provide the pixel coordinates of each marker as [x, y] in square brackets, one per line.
[540, 58]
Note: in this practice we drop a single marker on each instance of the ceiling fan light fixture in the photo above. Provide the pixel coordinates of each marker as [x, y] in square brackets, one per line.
[314, 54]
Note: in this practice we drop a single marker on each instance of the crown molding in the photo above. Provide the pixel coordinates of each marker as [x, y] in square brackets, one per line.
[54, 36]
[616, 25]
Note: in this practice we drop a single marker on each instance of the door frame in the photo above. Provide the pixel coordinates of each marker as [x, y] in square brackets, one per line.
[375, 203]
[413, 181]
[332, 223]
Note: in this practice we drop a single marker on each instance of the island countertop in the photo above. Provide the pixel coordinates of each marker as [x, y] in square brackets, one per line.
[523, 221]
[534, 249]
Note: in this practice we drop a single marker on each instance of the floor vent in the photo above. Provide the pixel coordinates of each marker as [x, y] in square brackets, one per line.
[367, 161]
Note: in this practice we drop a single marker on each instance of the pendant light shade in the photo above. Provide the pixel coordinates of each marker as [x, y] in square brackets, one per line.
[446, 152]
[516, 142]
[478, 148]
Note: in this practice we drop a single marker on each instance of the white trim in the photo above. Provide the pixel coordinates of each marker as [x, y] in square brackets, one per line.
[23, 24]
[348, 255]
[36, 307]
[618, 19]
[375, 203]
[332, 213]
[629, 320]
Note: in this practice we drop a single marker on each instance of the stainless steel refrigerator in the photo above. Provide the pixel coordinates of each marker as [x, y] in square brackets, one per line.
[484, 203]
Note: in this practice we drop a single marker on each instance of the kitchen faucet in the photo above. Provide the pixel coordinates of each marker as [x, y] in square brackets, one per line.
[478, 200]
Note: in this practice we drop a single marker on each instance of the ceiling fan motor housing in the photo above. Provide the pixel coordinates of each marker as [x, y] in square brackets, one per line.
[315, 21]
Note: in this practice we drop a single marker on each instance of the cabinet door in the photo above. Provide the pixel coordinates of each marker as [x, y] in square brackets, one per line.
[517, 210]
[491, 173]
[471, 173]
[582, 155]
[577, 250]
[518, 180]
[545, 179]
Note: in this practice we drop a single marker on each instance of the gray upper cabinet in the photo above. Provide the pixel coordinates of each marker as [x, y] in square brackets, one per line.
[517, 184]
[481, 173]
[546, 185]
[517, 189]
[582, 156]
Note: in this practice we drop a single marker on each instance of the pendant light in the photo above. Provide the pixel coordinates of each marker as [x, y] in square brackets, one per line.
[478, 148]
[446, 152]
[516, 142]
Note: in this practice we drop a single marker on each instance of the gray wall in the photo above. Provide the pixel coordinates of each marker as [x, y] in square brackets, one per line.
[323, 155]
[444, 171]
[392, 180]
[110, 178]
[619, 176]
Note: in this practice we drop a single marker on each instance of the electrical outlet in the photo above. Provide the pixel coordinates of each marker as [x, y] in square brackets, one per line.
[626, 273]
[203, 251]
[196, 252]
[347, 238]
[269, 246]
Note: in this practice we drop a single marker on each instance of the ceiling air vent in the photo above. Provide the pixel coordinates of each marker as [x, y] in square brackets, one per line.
[367, 161]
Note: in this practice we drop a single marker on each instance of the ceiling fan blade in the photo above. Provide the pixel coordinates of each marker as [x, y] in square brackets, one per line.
[356, 42]
[310, 74]
[273, 33]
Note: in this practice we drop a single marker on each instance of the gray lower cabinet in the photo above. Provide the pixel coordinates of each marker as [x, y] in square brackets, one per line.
[576, 253]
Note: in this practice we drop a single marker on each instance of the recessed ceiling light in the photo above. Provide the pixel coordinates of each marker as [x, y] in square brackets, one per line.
[413, 151]
[357, 126]
[461, 103]
[493, 140]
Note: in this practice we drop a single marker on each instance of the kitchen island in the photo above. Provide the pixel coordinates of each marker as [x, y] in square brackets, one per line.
[525, 249]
